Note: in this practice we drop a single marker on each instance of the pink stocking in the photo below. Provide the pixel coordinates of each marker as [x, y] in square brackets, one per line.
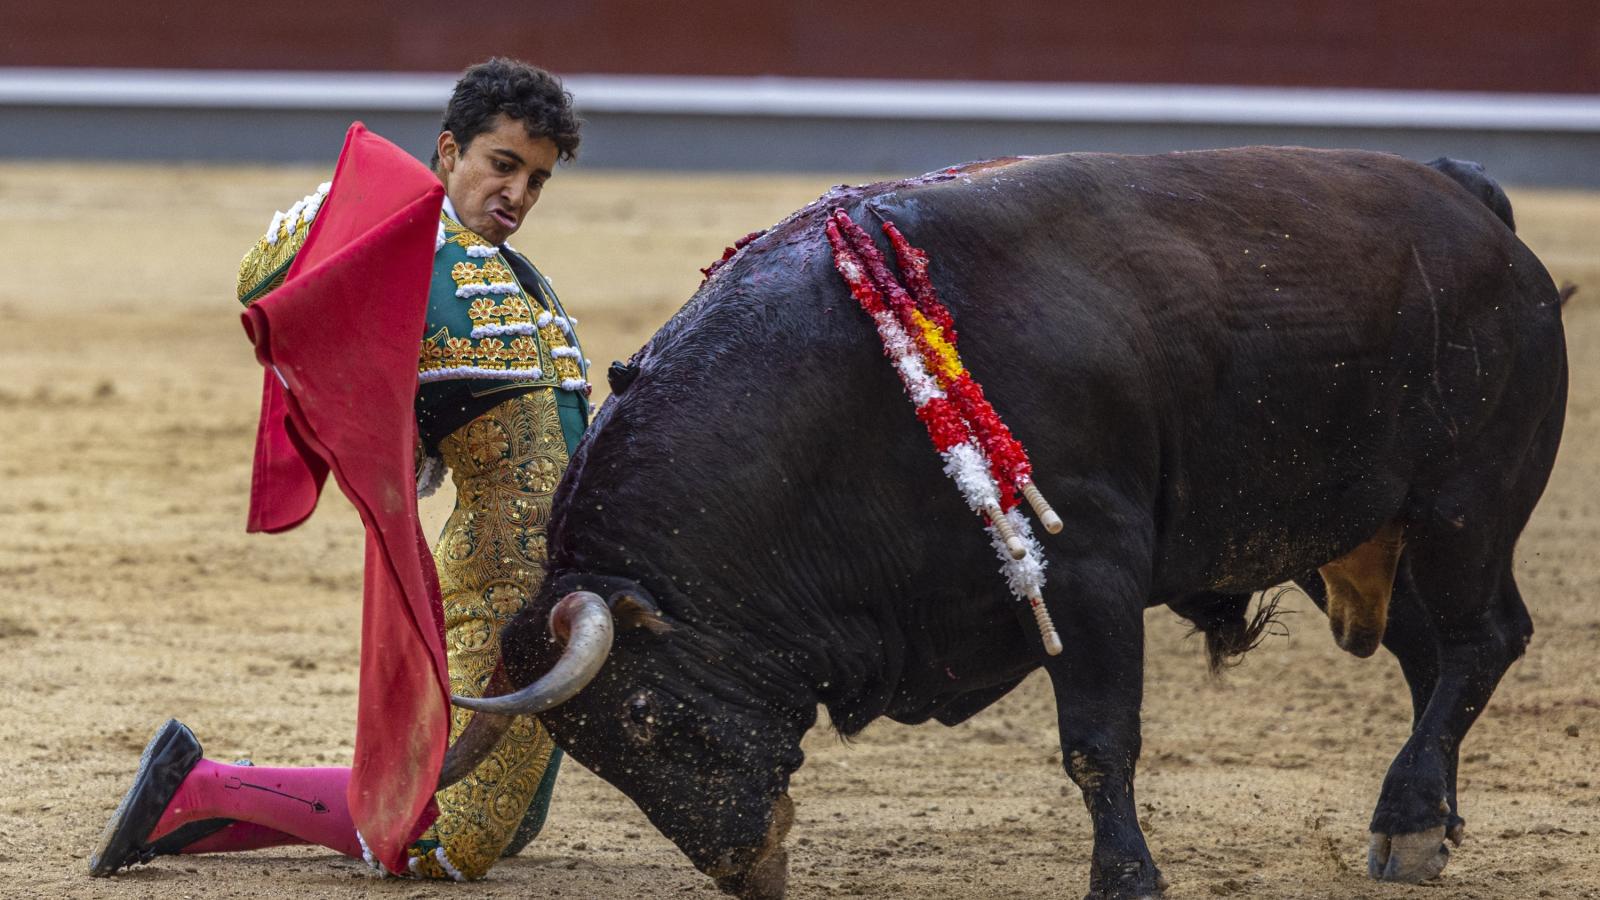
[237, 836]
[307, 804]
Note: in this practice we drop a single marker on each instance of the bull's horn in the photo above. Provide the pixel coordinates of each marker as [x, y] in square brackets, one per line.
[477, 740]
[586, 618]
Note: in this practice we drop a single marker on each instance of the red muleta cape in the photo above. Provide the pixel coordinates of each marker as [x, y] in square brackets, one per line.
[340, 339]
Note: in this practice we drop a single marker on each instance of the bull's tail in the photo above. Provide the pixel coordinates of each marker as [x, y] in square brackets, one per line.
[1472, 176]
[1224, 619]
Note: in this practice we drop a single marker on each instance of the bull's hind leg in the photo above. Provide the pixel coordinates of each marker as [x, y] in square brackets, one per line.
[1098, 685]
[1409, 636]
[1481, 628]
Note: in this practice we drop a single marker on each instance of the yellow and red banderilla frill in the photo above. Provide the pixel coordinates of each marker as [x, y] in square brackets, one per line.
[988, 464]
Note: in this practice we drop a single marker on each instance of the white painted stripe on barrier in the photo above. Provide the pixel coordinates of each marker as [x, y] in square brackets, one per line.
[224, 89]
[992, 101]
[818, 97]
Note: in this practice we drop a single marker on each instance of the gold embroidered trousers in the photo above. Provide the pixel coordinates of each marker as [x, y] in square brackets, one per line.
[491, 560]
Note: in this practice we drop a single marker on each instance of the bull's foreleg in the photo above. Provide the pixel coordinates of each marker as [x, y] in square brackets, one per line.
[1098, 684]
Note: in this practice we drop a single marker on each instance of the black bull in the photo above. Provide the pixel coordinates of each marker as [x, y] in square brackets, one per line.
[1231, 369]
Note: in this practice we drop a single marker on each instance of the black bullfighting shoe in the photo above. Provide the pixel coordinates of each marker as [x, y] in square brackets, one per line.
[163, 765]
[178, 838]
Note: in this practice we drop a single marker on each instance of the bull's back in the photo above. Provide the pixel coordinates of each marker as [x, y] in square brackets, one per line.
[1277, 346]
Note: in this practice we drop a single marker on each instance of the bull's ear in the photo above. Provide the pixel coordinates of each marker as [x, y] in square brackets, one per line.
[632, 610]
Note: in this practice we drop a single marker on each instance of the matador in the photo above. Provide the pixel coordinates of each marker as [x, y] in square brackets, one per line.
[501, 402]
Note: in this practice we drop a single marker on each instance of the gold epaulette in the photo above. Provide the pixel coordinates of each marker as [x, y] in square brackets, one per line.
[264, 265]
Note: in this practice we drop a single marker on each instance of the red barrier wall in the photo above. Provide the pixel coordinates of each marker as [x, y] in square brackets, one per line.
[1490, 45]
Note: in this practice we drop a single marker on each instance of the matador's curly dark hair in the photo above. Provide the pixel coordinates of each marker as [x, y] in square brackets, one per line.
[526, 93]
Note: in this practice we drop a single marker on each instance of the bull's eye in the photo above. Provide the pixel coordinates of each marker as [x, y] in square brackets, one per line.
[639, 715]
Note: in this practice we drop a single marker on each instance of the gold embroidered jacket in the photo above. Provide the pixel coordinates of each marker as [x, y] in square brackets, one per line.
[484, 321]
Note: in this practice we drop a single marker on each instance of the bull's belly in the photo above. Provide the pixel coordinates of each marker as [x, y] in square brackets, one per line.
[1253, 541]
[1255, 562]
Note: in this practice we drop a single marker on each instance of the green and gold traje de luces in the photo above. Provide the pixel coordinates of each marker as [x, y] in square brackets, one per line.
[491, 560]
[484, 325]
[265, 264]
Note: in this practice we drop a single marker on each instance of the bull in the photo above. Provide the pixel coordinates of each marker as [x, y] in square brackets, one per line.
[1233, 369]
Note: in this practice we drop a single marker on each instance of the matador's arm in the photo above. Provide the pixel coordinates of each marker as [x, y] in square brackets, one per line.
[264, 266]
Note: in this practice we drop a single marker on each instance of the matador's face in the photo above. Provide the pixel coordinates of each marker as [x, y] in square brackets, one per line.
[495, 180]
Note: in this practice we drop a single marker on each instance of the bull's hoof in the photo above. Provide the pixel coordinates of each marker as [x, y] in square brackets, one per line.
[1409, 858]
[1133, 880]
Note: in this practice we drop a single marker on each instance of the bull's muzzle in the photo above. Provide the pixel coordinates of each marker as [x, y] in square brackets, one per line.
[581, 619]
[759, 873]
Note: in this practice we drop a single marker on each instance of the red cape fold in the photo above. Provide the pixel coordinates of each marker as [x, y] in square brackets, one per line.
[340, 340]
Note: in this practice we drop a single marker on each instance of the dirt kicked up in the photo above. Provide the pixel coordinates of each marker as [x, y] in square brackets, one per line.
[129, 593]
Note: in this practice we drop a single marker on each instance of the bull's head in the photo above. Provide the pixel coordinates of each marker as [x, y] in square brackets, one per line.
[643, 706]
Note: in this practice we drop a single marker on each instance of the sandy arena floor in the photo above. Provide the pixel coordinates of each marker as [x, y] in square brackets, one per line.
[129, 592]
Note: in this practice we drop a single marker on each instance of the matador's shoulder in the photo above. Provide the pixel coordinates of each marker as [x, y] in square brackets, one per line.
[265, 264]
